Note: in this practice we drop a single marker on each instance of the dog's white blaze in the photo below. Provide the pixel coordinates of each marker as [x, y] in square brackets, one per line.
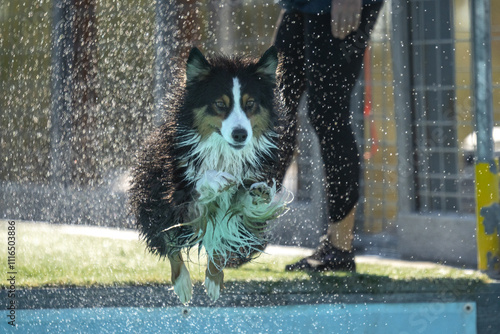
[237, 118]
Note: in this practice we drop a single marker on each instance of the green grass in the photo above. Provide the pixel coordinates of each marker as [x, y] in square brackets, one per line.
[45, 257]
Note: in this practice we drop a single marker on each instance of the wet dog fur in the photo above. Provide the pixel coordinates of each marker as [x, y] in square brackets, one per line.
[206, 176]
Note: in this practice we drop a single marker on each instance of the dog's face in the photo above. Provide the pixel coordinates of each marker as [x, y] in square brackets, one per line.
[231, 97]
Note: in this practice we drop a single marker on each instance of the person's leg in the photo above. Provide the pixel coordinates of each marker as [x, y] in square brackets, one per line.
[289, 40]
[340, 234]
[335, 250]
[332, 67]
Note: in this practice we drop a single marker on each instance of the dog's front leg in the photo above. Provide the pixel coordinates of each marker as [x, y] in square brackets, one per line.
[180, 278]
[214, 278]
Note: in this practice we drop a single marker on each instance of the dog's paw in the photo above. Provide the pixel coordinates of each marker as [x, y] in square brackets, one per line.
[182, 286]
[213, 288]
[260, 192]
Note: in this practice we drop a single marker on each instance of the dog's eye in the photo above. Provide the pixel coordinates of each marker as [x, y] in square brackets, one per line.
[250, 104]
[220, 104]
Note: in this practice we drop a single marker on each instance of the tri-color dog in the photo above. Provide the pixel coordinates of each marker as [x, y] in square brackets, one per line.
[206, 177]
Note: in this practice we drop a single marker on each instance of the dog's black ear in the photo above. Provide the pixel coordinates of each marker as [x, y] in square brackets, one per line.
[268, 63]
[197, 66]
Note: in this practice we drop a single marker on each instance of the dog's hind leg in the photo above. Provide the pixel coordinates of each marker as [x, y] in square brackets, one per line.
[180, 278]
[214, 278]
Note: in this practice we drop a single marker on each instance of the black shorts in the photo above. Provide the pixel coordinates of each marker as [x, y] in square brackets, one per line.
[327, 69]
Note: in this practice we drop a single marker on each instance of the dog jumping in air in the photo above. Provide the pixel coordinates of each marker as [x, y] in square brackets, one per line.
[207, 176]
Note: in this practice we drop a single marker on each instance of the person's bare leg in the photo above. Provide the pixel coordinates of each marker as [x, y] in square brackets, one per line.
[335, 251]
[341, 234]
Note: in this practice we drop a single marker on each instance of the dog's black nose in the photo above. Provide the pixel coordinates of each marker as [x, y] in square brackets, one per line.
[239, 135]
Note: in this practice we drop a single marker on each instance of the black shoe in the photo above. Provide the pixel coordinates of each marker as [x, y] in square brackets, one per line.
[326, 258]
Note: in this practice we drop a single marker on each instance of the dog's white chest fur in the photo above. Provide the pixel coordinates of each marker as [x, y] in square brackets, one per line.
[217, 155]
